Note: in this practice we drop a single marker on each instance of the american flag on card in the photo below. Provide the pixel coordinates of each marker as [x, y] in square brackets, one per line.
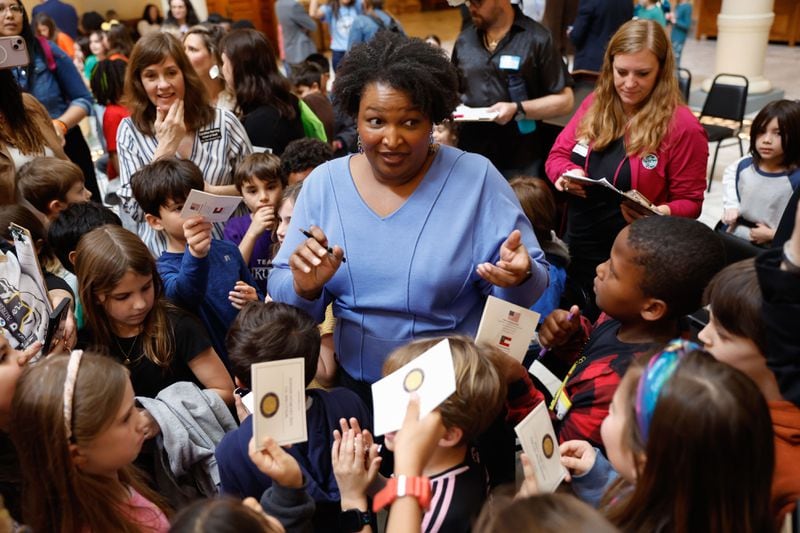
[513, 316]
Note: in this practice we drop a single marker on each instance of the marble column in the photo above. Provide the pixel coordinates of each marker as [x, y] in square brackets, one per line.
[742, 37]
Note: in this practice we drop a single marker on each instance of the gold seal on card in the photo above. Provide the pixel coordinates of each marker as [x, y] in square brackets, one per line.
[269, 404]
[414, 380]
[548, 446]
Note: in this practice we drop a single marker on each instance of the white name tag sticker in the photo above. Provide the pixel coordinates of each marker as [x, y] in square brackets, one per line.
[581, 149]
[509, 62]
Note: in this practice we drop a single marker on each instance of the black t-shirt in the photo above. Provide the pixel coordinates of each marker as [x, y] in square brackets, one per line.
[458, 495]
[593, 222]
[268, 129]
[527, 51]
[148, 379]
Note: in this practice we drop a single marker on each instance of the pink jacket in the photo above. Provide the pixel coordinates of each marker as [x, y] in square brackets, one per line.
[677, 176]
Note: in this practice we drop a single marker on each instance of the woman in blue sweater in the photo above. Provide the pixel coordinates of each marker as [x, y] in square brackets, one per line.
[428, 231]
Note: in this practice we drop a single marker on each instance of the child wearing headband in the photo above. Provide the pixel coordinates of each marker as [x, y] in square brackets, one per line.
[77, 431]
[689, 442]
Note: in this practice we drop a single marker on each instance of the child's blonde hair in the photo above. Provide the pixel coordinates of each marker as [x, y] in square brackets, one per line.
[45, 179]
[480, 389]
[103, 257]
[59, 496]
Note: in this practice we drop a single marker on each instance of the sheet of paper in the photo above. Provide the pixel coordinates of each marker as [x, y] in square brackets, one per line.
[547, 378]
[592, 182]
[214, 207]
[247, 400]
[507, 326]
[633, 198]
[279, 401]
[473, 114]
[431, 376]
[540, 444]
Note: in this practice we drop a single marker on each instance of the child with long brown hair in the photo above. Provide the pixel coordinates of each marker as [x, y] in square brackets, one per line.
[77, 431]
[690, 443]
[129, 320]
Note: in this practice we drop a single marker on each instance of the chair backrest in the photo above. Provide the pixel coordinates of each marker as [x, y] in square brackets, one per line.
[685, 83]
[726, 100]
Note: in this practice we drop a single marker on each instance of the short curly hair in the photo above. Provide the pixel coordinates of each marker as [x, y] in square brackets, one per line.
[303, 154]
[679, 257]
[423, 72]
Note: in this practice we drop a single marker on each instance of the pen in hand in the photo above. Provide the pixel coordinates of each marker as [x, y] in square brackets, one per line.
[330, 250]
[544, 349]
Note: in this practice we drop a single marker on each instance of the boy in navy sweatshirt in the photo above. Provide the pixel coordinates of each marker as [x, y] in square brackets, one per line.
[205, 276]
[270, 332]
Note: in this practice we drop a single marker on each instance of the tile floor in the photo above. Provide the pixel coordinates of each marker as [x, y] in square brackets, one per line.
[781, 67]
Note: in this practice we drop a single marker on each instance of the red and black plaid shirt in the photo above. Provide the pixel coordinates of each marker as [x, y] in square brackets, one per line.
[590, 387]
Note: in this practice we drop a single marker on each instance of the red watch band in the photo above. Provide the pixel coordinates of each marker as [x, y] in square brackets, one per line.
[399, 486]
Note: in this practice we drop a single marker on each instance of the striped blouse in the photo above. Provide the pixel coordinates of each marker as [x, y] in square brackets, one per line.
[218, 147]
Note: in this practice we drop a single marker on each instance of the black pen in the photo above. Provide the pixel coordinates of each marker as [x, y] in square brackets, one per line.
[330, 250]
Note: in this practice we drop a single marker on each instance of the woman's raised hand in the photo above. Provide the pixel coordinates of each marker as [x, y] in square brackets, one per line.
[170, 129]
[313, 265]
[514, 265]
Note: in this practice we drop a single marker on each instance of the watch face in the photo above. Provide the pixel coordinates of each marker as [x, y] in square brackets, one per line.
[353, 520]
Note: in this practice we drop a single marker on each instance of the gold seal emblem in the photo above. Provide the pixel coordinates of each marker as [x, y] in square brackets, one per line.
[414, 380]
[269, 404]
[548, 446]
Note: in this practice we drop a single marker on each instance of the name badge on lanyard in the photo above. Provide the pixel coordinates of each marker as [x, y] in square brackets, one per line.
[509, 62]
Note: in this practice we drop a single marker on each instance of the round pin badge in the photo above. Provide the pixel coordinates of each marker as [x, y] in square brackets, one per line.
[414, 380]
[548, 446]
[269, 404]
[650, 161]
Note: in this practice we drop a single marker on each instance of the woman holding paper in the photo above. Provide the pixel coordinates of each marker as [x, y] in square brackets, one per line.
[429, 231]
[171, 116]
[635, 132]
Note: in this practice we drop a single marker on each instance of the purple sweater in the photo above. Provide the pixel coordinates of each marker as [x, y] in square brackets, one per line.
[261, 258]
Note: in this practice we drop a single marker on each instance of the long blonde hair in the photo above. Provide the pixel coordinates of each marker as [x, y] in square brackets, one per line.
[102, 258]
[58, 496]
[605, 120]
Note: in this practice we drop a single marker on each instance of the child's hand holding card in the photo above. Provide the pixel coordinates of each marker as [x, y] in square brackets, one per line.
[431, 376]
[540, 444]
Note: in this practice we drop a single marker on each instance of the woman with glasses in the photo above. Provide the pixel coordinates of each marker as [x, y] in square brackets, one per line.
[51, 77]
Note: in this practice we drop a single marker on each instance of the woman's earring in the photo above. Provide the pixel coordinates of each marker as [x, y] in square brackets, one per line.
[360, 146]
[431, 144]
[213, 72]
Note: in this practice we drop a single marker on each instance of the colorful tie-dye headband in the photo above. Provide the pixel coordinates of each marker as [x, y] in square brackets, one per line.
[659, 370]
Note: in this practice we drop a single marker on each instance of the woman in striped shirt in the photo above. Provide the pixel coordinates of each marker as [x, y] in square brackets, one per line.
[171, 116]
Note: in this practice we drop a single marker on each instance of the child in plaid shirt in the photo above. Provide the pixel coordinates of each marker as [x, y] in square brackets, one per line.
[656, 274]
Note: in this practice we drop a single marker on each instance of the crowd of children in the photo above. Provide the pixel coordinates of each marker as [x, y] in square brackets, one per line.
[135, 428]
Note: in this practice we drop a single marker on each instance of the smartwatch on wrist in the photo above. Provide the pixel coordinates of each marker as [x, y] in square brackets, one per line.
[402, 485]
[353, 520]
[520, 115]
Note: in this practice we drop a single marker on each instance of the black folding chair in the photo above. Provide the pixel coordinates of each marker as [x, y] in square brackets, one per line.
[685, 83]
[725, 101]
